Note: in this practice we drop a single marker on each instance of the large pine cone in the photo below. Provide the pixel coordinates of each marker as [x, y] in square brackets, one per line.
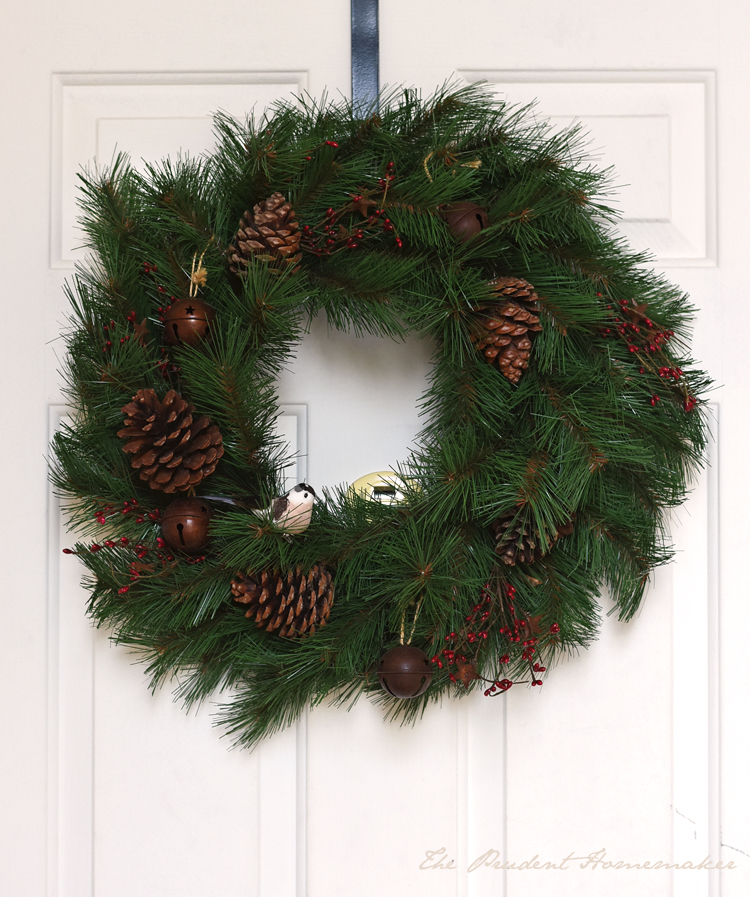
[504, 329]
[293, 604]
[270, 233]
[171, 450]
[519, 540]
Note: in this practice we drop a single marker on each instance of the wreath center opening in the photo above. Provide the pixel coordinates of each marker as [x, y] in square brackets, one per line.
[363, 394]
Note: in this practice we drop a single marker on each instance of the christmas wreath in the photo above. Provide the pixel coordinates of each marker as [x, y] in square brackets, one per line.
[564, 418]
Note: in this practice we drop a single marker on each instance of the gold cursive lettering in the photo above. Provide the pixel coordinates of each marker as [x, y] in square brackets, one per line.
[437, 860]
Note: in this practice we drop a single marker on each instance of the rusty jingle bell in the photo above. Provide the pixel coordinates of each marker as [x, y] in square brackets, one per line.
[188, 322]
[405, 672]
[185, 523]
[465, 220]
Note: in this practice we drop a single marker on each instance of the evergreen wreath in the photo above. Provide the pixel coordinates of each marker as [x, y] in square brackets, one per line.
[564, 418]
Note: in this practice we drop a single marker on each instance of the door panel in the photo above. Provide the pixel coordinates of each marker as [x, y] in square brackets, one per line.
[115, 791]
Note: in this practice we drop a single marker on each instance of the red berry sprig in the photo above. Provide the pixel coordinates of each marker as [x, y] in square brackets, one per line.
[649, 343]
[495, 607]
[338, 231]
[145, 559]
[101, 515]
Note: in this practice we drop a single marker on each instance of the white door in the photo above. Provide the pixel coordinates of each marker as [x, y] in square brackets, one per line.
[635, 748]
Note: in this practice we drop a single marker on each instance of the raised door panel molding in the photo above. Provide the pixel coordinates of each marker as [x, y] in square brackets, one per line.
[147, 116]
[657, 131]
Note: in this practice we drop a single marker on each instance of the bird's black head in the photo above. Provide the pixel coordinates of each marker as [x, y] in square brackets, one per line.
[303, 487]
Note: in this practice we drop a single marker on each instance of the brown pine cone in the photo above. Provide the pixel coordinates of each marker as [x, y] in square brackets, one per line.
[504, 329]
[171, 450]
[270, 233]
[519, 540]
[291, 604]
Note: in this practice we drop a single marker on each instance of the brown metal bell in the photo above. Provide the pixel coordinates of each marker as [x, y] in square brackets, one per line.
[188, 322]
[465, 220]
[405, 672]
[185, 524]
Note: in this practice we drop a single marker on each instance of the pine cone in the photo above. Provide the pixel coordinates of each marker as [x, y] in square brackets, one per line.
[270, 233]
[294, 603]
[519, 540]
[170, 448]
[505, 329]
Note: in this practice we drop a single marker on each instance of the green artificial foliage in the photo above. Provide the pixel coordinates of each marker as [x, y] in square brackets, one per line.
[585, 454]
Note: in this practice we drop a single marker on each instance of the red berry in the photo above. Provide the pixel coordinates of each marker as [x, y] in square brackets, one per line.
[332, 143]
[95, 547]
[123, 590]
[68, 551]
[555, 627]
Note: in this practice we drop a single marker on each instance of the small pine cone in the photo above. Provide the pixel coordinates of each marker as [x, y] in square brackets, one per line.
[270, 232]
[171, 449]
[519, 540]
[504, 329]
[291, 604]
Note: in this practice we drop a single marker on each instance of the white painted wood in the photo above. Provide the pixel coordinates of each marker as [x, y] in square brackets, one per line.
[97, 116]
[291, 427]
[607, 790]
[109, 790]
[100, 713]
[656, 129]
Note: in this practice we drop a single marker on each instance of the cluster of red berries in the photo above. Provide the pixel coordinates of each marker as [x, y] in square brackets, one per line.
[107, 328]
[641, 334]
[160, 553]
[479, 622]
[108, 344]
[385, 182]
[128, 507]
[645, 338]
[331, 143]
[332, 236]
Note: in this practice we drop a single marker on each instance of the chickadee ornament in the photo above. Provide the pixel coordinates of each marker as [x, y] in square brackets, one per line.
[292, 512]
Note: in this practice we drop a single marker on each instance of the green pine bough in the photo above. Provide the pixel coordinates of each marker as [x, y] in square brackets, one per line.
[534, 486]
